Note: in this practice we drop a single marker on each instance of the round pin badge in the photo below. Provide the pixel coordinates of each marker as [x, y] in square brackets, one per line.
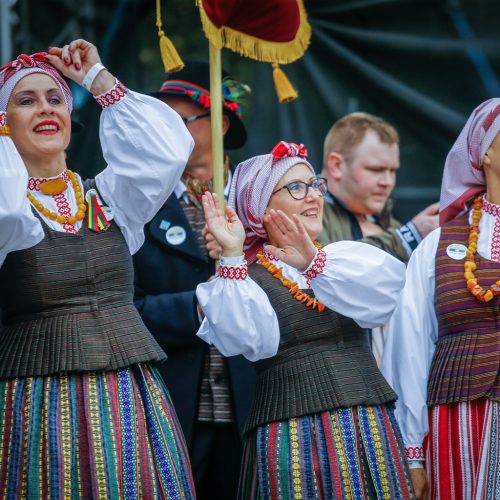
[108, 212]
[175, 235]
[456, 251]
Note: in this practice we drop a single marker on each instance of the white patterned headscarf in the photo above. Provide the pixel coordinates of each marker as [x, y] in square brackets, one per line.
[12, 72]
[253, 183]
[463, 176]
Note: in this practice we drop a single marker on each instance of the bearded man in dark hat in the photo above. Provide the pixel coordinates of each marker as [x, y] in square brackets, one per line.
[212, 394]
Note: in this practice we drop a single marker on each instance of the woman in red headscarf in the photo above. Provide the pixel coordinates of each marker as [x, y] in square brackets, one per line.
[321, 423]
[442, 354]
[83, 413]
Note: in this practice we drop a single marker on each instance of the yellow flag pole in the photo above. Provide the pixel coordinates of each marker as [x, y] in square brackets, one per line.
[216, 121]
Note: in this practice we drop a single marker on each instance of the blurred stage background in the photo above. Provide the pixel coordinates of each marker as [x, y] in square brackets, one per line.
[422, 65]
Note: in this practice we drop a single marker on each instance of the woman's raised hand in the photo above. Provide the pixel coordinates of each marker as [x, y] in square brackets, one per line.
[295, 246]
[74, 61]
[227, 228]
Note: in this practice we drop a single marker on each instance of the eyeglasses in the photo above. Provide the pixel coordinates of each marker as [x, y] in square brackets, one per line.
[298, 189]
[192, 118]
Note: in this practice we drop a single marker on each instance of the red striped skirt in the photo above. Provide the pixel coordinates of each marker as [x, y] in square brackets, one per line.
[463, 451]
[102, 435]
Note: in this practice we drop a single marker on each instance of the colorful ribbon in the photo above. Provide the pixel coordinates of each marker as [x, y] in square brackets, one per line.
[96, 219]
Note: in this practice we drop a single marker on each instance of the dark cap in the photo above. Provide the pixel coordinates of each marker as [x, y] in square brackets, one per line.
[194, 82]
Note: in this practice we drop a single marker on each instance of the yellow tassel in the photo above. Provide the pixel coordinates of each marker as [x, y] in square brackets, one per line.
[169, 55]
[4, 131]
[284, 88]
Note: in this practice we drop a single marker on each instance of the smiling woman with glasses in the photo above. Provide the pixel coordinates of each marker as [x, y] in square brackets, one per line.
[300, 313]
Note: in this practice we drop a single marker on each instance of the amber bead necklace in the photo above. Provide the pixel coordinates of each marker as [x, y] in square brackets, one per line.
[470, 265]
[63, 219]
[292, 286]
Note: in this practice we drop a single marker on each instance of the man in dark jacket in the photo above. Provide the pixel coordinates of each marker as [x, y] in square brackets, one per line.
[211, 394]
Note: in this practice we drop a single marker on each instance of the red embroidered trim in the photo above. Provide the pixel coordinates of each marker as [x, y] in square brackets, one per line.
[415, 453]
[112, 96]
[490, 208]
[3, 119]
[495, 243]
[64, 209]
[34, 182]
[317, 266]
[494, 210]
[269, 257]
[233, 273]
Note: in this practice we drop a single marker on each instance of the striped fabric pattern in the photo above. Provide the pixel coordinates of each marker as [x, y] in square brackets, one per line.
[323, 362]
[67, 305]
[349, 453]
[215, 400]
[466, 362]
[463, 451]
[91, 435]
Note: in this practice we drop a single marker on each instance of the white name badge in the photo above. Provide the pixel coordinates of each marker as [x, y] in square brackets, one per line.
[456, 251]
[175, 235]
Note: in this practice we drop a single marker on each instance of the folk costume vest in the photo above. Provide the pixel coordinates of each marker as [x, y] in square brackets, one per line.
[466, 363]
[323, 362]
[67, 305]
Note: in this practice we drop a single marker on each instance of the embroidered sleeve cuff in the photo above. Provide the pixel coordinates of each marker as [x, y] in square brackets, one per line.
[409, 236]
[233, 268]
[415, 453]
[316, 266]
[112, 96]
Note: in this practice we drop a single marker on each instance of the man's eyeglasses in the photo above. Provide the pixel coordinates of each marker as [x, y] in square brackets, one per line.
[298, 189]
[192, 118]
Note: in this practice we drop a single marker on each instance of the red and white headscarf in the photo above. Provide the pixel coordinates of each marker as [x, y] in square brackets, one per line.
[463, 176]
[12, 72]
[253, 183]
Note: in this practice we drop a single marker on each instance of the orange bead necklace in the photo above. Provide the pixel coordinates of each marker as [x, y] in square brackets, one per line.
[63, 219]
[292, 286]
[470, 265]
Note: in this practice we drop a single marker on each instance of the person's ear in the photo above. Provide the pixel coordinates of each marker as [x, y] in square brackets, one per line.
[486, 160]
[225, 124]
[334, 165]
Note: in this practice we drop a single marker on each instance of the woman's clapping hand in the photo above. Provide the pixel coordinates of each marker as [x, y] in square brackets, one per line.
[226, 227]
[292, 243]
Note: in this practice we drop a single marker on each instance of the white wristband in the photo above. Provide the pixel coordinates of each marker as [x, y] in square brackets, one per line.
[91, 75]
[415, 464]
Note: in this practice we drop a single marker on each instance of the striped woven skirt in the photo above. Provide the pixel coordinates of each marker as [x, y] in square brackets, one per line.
[463, 451]
[103, 435]
[351, 453]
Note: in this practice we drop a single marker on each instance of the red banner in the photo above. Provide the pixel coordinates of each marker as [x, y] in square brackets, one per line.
[274, 31]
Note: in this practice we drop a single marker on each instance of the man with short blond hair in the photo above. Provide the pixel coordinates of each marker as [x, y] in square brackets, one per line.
[360, 162]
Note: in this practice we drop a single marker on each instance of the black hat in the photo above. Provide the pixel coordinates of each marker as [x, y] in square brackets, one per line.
[194, 82]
